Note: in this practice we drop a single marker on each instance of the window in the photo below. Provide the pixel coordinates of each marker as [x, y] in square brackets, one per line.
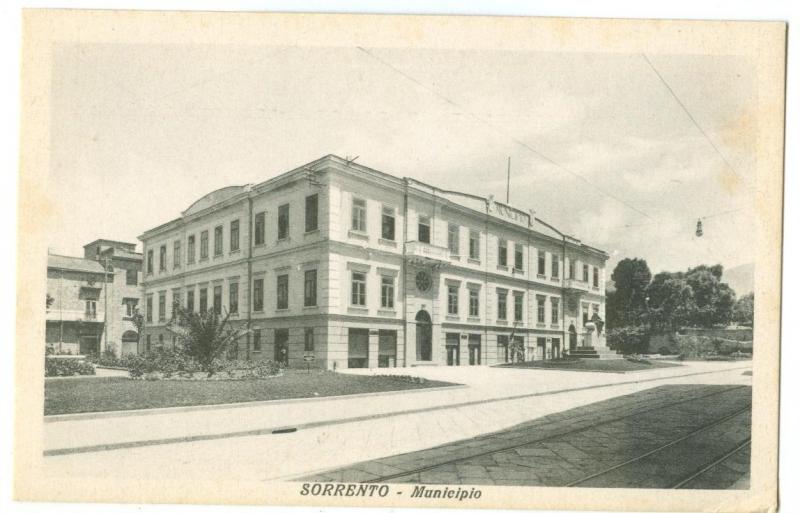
[234, 235]
[283, 221]
[554, 272]
[190, 300]
[554, 315]
[540, 309]
[218, 299]
[502, 252]
[518, 256]
[387, 292]
[190, 250]
[518, 306]
[162, 258]
[149, 261]
[387, 223]
[258, 295]
[131, 277]
[147, 344]
[149, 309]
[424, 229]
[203, 300]
[358, 289]
[176, 254]
[162, 306]
[501, 304]
[130, 306]
[586, 273]
[176, 302]
[233, 298]
[452, 299]
[91, 309]
[571, 270]
[474, 245]
[160, 340]
[308, 343]
[203, 244]
[217, 240]
[585, 311]
[453, 242]
[540, 270]
[256, 340]
[312, 212]
[283, 292]
[359, 219]
[474, 303]
[258, 227]
[310, 288]
[596, 277]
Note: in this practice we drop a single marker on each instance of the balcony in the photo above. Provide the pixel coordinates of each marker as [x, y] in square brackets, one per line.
[423, 253]
[55, 314]
[576, 285]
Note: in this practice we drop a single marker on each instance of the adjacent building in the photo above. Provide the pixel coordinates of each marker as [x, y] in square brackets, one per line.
[359, 268]
[91, 301]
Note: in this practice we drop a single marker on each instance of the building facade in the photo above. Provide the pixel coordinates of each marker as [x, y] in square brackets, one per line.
[363, 269]
[92, 300]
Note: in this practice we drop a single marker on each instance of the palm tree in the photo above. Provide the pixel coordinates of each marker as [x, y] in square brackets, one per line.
[204, 336]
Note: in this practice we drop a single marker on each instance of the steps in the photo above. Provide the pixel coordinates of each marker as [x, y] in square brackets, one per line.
[601, 353]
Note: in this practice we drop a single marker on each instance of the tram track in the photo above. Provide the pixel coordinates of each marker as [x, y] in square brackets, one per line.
[582, 429]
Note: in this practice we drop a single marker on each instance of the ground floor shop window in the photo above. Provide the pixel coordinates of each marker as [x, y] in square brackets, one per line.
[357, 348]
[474, 345]
[541, 344]
[387, 348]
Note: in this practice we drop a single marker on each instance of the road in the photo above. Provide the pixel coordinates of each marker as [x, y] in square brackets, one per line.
[334, 433]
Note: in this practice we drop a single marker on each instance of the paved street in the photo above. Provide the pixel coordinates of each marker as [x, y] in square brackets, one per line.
[658, 438]
[348, 430]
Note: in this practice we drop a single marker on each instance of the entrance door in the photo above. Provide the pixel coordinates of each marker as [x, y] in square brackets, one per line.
[89, 344]
[541, 344]
[424, 336]
[573, 338]
[282, 347]
[556, 343]
[474, 349]
[357, 348]
[451, 345]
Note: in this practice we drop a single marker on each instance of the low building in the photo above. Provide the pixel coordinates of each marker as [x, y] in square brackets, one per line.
[91, 301]
[360, 268]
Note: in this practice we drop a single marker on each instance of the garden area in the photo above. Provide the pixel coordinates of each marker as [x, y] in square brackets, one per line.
[83, 395]
[199, 371]
[593, 365]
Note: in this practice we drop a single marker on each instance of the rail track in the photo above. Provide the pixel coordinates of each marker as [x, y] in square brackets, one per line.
[585, 481]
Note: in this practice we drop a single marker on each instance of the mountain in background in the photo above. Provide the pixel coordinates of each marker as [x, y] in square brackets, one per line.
[740, 278]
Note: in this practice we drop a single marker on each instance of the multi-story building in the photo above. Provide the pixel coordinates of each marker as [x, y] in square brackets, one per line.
[363, 269]
[92, 300]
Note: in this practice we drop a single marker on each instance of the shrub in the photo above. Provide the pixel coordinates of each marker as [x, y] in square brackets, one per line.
[171, 363]
[628, 339]
[693, 346]
[67, 367]
[665, 351]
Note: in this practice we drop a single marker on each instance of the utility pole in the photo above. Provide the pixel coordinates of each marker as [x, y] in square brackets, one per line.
[508, 182]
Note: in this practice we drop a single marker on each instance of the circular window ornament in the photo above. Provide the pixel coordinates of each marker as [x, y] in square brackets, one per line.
[423, 281]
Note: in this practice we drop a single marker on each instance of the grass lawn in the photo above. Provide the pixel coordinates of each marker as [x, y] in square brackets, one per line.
[588, 365]
[81, 395]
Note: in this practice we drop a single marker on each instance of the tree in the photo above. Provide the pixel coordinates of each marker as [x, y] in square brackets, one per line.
[692, 298]
[626, 305]
[49, 301]
[743, 310]
[204, 336]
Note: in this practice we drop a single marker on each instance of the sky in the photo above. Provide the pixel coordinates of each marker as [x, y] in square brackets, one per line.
[599, 145]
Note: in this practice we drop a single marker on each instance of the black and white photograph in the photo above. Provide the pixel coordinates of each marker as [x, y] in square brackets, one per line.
[390, 261]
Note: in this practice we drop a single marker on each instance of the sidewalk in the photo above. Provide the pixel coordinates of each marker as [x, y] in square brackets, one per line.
[483, 385]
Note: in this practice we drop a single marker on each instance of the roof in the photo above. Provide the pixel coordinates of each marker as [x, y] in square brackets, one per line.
[117, 243]
[74, 264]
[213, 198]
[121, 253]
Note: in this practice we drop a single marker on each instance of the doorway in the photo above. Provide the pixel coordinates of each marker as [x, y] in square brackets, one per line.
[453, 352]
[573, 338]
[282, 347]
[424, 336]
[474, 349]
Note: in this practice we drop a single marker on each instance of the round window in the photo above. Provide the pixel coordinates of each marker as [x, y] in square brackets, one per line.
[423, 281]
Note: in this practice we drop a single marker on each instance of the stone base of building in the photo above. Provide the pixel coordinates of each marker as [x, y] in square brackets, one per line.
[598, 353]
